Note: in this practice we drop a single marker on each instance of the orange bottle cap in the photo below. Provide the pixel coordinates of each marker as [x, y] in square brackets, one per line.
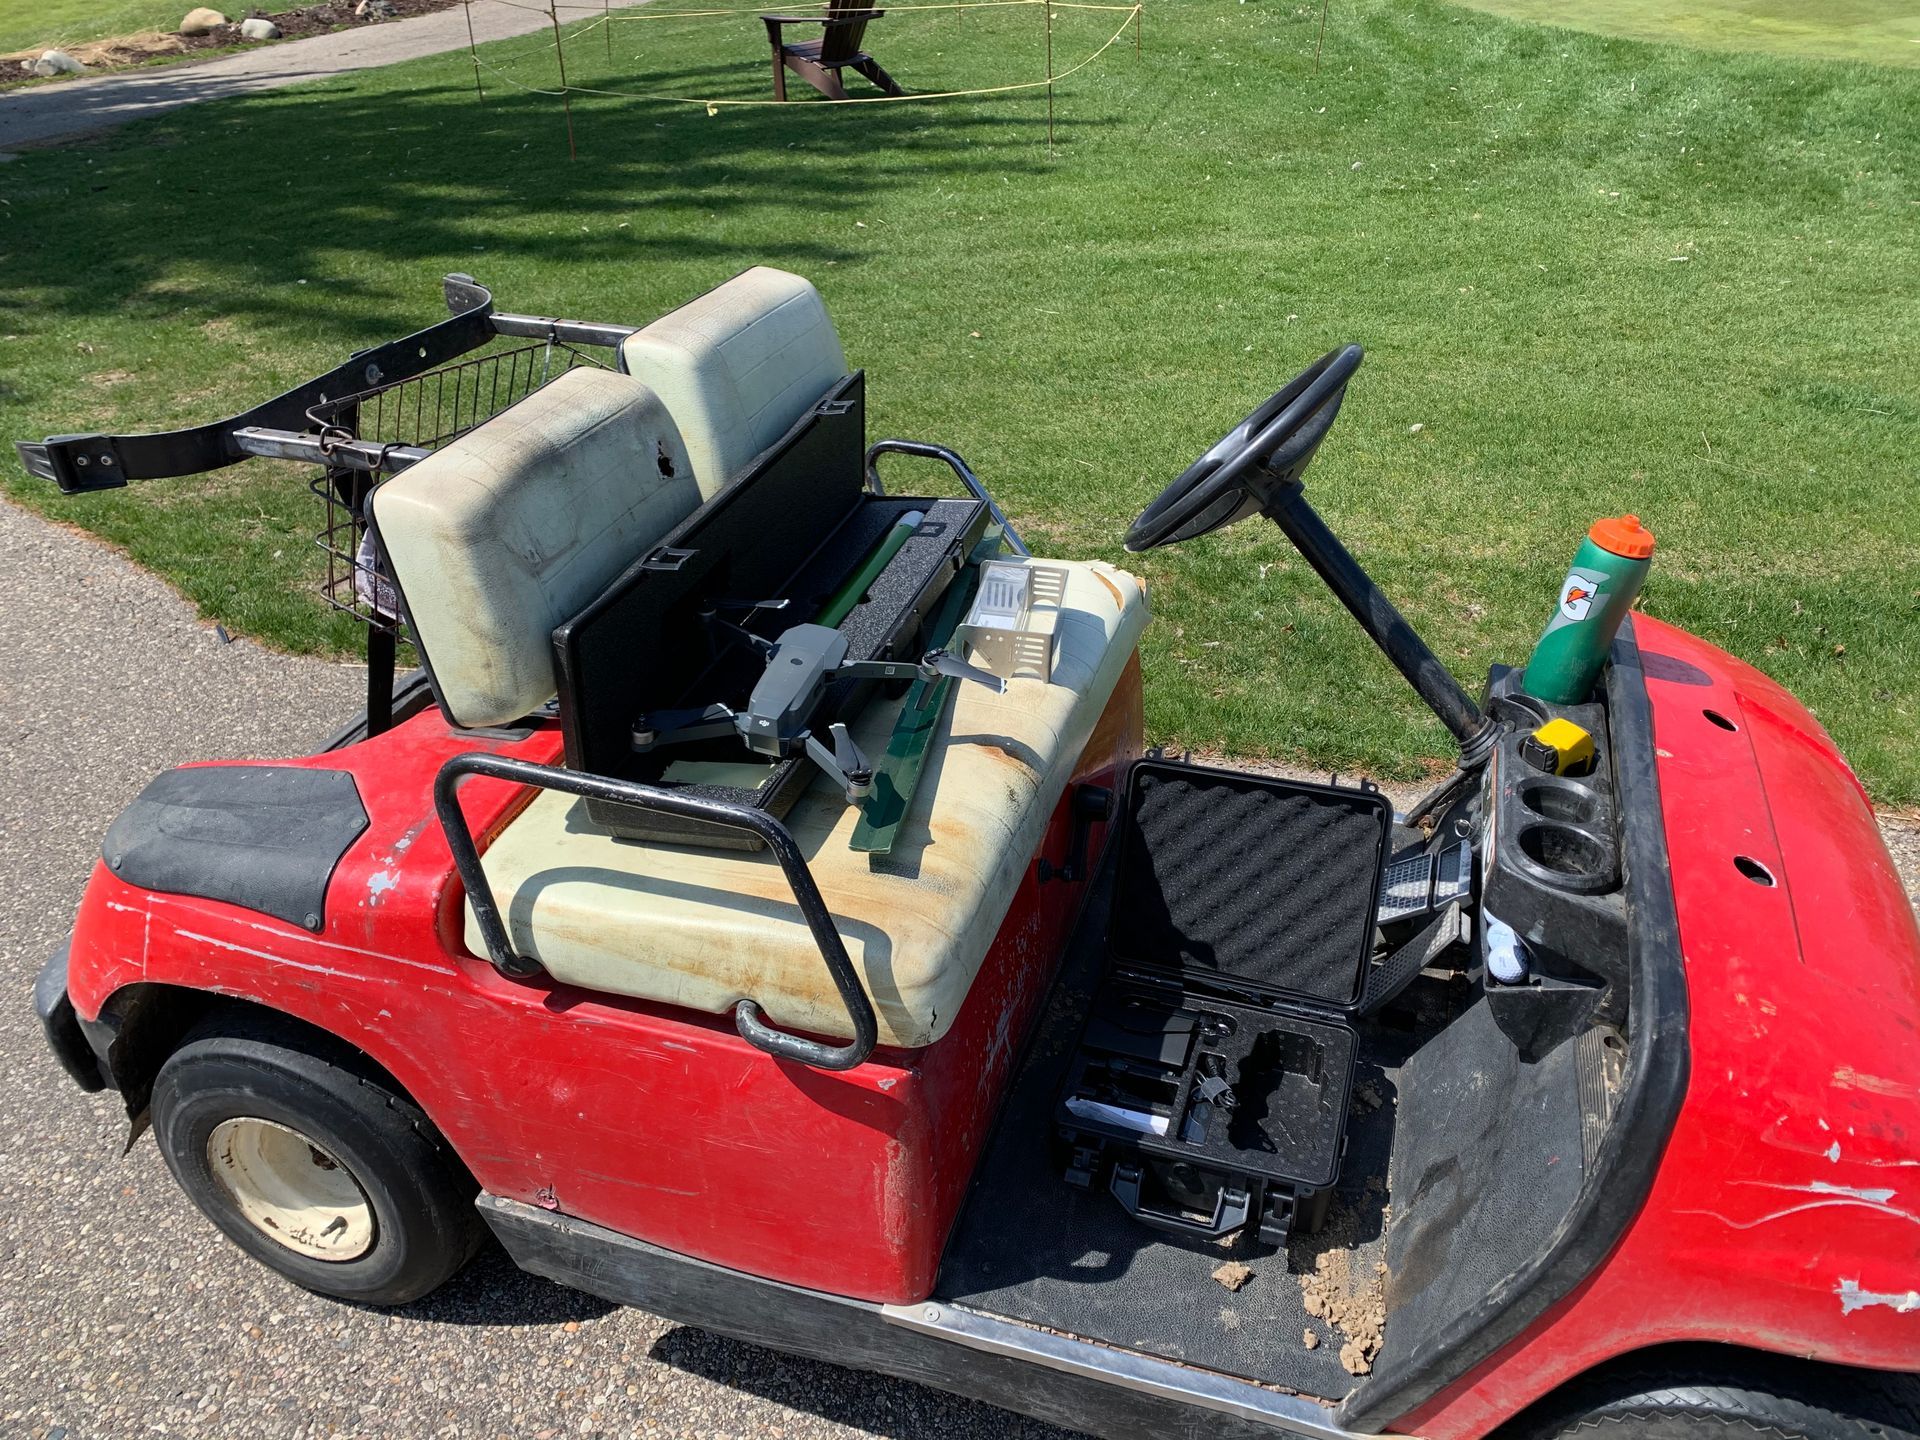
[1623, 535]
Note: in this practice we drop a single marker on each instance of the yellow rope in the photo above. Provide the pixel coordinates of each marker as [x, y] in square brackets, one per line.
[713, 106]
[821, 5]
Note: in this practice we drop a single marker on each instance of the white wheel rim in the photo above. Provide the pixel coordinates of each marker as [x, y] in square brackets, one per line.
[290, 1189]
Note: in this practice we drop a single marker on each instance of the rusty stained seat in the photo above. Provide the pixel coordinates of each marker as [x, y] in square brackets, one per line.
[707, 928]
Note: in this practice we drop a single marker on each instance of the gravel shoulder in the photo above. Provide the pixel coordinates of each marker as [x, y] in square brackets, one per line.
[122, 1312]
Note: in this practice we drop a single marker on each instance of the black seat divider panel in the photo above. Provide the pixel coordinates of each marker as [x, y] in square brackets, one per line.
[792, 526]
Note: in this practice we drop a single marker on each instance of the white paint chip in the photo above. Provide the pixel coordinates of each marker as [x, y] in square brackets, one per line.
[1853, 1298]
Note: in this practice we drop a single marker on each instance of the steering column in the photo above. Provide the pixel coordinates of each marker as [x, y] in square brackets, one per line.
[1256, 467]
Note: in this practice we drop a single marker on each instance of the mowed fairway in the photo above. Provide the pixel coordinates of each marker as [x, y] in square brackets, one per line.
[1591, 275]
[1880, 32]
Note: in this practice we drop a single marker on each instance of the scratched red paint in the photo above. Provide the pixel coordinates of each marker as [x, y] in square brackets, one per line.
[1793, 1173]
[656, 1122]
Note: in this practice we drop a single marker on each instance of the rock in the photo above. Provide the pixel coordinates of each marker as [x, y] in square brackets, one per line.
[1310, 1340]
[57, 62]
[374, 10]
[256, 27]
[202, 21]
[1233, 1274]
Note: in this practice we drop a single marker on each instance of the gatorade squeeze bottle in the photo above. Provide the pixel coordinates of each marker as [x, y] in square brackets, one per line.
[1598, 591]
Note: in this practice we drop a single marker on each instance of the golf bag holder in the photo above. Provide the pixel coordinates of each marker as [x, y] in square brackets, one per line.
[793, 527]
[1209, 1090]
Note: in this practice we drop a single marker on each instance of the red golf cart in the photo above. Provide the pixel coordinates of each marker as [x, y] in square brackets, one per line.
[758, 908]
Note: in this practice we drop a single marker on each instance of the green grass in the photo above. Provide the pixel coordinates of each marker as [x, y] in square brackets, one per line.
[1885, 32]
[38, 24]
[1596, 275]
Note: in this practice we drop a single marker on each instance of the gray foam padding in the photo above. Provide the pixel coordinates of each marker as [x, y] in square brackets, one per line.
[1265, 881]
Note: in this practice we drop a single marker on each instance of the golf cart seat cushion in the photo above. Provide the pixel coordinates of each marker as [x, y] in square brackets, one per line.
[737, 367]
[507, 531]
[706, 928]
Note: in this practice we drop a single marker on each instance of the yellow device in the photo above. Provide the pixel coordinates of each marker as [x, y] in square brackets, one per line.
[1559, 747]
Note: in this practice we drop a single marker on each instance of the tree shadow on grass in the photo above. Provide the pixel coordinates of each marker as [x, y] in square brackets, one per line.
[328, 214]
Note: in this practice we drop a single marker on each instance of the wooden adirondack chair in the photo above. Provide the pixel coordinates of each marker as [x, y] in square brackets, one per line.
[819, 62]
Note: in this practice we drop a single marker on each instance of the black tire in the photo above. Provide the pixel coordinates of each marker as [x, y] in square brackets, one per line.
[1708, 1393]
[236, 1066]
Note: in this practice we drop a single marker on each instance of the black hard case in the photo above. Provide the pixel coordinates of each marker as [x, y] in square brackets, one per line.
[794, 524]
[1238, 943]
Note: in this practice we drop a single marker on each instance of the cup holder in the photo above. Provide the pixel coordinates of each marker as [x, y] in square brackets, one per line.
[1567, 856]
[1519, 708]
[1567, 801]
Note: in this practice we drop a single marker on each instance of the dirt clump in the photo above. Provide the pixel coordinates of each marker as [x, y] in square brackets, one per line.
[1354, 1306]
[1233, 1274]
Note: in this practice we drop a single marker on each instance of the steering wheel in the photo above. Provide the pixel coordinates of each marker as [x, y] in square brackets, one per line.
[1253, 462]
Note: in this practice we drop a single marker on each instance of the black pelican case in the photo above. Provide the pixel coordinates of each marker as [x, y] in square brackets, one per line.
[1209, 1091]
[793, 525]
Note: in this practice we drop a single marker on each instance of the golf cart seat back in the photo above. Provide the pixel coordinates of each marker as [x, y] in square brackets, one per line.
[505, 532]
[738, 367]
[705, 928]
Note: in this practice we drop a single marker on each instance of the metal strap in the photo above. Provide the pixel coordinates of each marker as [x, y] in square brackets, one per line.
[754, 1030]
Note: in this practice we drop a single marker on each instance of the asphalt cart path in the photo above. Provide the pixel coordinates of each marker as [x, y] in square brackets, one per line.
[44, 114]
[122, 1312]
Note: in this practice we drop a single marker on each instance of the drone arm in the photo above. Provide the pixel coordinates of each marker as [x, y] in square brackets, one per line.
[682, 727]
[846, 764]
[931, 666]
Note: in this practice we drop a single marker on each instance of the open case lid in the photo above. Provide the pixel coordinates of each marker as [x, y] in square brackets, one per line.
[1249, 883]
[793, 525]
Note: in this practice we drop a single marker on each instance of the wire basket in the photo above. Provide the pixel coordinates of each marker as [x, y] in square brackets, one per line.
[425, 413]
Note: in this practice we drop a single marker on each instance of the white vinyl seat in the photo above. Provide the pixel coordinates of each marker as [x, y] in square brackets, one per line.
[706, 928]
[502, 534]
[512, 529]
[738, 367]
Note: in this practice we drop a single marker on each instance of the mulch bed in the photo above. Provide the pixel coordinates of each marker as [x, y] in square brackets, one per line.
[128, 51]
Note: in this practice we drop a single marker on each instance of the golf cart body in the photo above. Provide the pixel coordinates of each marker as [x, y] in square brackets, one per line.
[754, 1051]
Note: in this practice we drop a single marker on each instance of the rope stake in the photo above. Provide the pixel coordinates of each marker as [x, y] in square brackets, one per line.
[566, 93]
[474, 50]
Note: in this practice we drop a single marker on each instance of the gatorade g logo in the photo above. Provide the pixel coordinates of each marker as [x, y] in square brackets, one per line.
[1577, 595]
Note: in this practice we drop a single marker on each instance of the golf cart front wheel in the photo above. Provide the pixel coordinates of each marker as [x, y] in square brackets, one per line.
[312, 1162]
[1712, 1393]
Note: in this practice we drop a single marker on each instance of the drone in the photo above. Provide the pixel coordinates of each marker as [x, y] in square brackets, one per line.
[778, 718]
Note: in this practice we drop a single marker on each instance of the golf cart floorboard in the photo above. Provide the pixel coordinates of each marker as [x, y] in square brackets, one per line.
[1031, 1249]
